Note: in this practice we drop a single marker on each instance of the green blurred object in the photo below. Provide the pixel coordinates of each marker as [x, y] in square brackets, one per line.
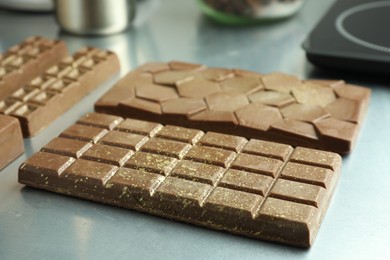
[260, 12]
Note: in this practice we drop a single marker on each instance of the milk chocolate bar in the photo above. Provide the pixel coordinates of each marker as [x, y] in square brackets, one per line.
[11, 140]
[23, 62]
[49, 95]
[254, 188]
[277, 107]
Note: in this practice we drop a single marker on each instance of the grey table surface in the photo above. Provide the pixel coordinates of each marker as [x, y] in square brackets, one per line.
[35, 224]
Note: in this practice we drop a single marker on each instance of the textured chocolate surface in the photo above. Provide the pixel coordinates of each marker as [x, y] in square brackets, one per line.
[11, 140]
[26, 60]
[278, 107]
[46, 97]
[253, 188]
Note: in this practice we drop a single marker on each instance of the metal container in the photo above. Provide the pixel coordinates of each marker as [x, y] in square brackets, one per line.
[94, 17]
[249, 11]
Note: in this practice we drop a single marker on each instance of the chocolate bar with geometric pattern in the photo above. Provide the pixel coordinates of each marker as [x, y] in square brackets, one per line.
[11, 140]
[276, 107]
[49, 95]
[27, 60]
[254, 188]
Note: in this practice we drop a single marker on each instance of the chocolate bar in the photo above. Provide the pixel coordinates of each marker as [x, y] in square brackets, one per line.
[277, 107]
[49, 95]
[23, 62]
[11, 140]
[254, 188]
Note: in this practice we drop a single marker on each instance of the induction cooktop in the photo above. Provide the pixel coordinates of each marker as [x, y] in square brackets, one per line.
[353, 35]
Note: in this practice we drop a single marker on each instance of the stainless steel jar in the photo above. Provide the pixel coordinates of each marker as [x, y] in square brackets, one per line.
[94, 17]
[249, 11]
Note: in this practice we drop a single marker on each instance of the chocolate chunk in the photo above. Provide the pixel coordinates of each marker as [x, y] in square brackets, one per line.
[307, 174]
[155, 93]
[337, 131]
[8, 105]
[280, 82]
[257, 164]
[44, 98]
[271, 98]
[108, 154]
[297, 131]
[268, 149]
[84, 133]
[233, 202]
[228, 142]
[316, 158]
[259, 189]
[166, 147]
[171, 78]
[245, 85]
[181, 193]
[88, 174]
[130, 183]
[246, 181]
[160, 164]
[258, 116]
[179, 65]
[142, 105]
[314, 94]
[124, 140]
[180, 134]
[210, 155]
[216, 74]
[304, 112]
[296, 221]
[223, 118]
[139, 127]
[68, 147]
[298, 192]
[11, 140]
[197, 88]
[275, 107]
[39, 164]
[97, 120]
[226, 101]
[183, 106]
[196, 171]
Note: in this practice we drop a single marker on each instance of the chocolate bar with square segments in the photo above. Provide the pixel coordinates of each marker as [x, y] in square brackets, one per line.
[27, 60]
[276, 107]
[49, 95]
[253, 188]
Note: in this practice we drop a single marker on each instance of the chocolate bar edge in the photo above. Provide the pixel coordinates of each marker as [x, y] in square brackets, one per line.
[311, 234]
[247, 133]
[11, 141]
